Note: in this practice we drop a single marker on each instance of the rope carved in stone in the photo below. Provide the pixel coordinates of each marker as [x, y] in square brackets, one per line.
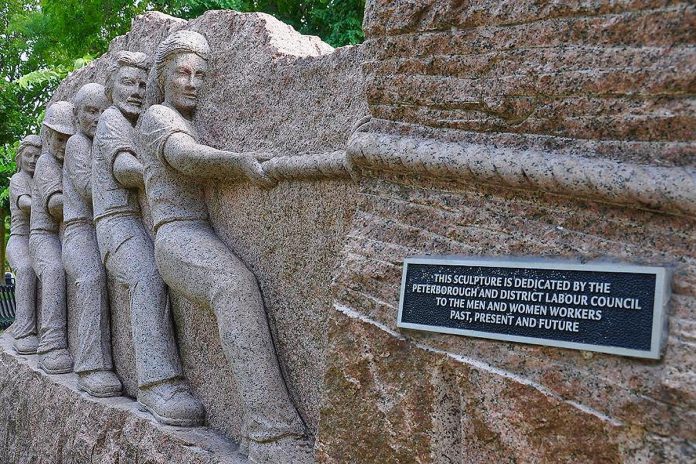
[670, 189]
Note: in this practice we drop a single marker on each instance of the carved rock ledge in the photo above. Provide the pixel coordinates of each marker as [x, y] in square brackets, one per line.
[66, 425]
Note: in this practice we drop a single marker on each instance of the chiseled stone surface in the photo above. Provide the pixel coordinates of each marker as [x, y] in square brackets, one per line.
[605, 70]
[81, 259]
[175, 168]
[476, 400]
[45, 419]
[416, 405]
[606, 80]
[24, 328]
[599, 80]
[268, 89]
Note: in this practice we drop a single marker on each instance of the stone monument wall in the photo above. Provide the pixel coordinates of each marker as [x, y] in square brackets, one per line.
[268, 89]
[498, 128]
[515, 128]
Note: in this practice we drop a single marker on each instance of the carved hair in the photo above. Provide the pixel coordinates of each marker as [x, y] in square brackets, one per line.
[175, 44]
[86, 91]
[28, 141]
[124, 59]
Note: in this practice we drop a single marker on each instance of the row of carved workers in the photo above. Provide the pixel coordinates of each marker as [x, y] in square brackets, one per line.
[85, 171]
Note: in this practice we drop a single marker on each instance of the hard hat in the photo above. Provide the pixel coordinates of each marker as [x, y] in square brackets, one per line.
[59, 117]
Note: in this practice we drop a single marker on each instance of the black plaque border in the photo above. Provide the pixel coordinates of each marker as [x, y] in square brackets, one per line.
[662, 296]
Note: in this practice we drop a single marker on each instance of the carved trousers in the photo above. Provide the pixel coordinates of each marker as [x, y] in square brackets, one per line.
[196, 264]
[86, 272]
[25, 286]
[128, 254]
[46, 256]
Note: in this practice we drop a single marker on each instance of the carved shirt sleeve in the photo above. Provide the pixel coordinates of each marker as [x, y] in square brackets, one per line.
[158, 124]
[20, 184]
[79, 165]
[116, 135]
[48, 178]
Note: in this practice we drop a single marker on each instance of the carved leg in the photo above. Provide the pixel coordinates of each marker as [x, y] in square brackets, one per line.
[24, 328]
[132, 263]
[161, 389]
[84, 268]
[48, 264]
[210, 274]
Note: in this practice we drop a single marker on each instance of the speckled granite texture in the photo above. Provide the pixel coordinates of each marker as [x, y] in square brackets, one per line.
[46, 420]
[605, 81]
[611, 81]
[268, 89]
[603, 70]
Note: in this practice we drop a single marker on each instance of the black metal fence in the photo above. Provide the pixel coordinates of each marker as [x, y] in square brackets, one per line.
[7, 302]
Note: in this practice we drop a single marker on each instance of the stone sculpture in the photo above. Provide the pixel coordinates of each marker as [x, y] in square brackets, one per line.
[127, 250]
[44, 242]
[21, 184]
[83, 265]
[175, 168]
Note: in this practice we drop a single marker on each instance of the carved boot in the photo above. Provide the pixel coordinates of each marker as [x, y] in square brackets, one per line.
[101, 384]
[56, 361]
[26, 345]
[172, 403]
[287, 450]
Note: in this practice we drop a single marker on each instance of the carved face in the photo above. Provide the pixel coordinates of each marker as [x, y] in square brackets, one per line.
[128, 92]
[183, 80]
[89, 111]
[56, 143]
[29, 156]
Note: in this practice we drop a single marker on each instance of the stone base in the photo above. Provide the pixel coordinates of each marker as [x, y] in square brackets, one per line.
[46, 419]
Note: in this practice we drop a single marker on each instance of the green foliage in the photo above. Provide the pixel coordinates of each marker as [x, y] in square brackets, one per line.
[7, 168]
[59, 31]
[49, 75]
[337, 22]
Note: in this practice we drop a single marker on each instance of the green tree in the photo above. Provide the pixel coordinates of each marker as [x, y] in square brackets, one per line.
[337, 22]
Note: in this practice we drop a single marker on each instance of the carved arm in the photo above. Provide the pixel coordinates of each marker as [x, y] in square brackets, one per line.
[184, 154]
[81, 174]
[128, 171]
[24, 203]
[55, 205]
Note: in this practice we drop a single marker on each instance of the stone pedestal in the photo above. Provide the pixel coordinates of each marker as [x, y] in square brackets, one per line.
[45, 419]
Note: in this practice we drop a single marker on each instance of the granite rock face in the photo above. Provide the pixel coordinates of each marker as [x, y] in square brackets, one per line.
[609, 70]
[474, 400]
[469, 101]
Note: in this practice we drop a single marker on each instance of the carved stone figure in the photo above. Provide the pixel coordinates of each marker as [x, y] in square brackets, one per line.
[81, 258]
[21, 184]
[44, 243]
[127, 250]
[195, 262]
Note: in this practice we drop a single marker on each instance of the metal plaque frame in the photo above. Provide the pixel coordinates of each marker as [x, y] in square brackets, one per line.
[659, 321]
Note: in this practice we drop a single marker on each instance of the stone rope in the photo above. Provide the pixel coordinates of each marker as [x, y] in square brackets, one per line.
[307, 167]
[670, 189]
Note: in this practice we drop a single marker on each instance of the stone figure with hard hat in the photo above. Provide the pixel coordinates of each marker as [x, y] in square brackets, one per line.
[127, 250]
[93, 362]
[44, 241]
[21, 186]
